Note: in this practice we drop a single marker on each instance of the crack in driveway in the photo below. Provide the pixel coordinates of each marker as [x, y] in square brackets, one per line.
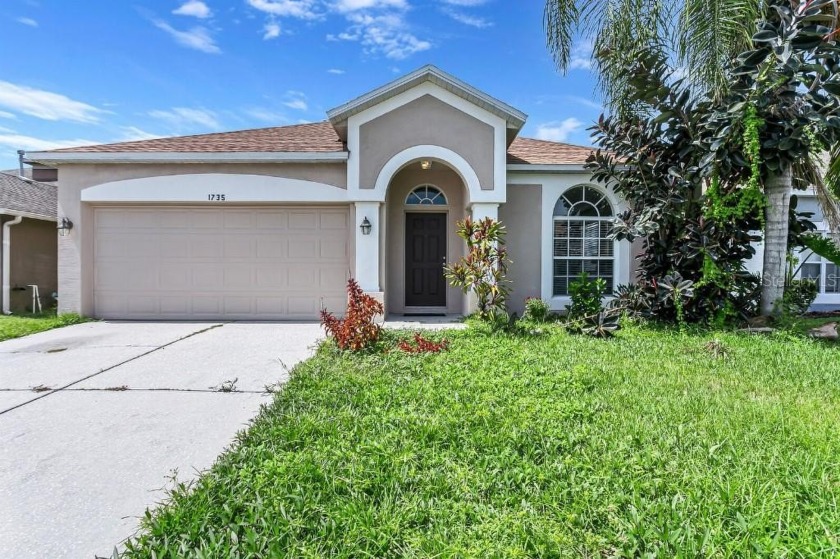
[111, 368]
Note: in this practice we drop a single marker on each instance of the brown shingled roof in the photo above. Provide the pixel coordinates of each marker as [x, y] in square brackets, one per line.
[540, 152]
[318, 137]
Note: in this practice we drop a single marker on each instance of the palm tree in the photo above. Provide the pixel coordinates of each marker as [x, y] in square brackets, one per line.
[702, 37]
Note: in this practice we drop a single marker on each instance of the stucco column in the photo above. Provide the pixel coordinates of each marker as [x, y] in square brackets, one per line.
[367, 246]
[482, 210]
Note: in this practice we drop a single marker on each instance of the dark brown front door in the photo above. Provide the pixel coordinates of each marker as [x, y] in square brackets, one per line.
[425, 257]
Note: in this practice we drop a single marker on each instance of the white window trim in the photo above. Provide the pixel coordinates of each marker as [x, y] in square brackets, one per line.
[553, 186]
[823, 298]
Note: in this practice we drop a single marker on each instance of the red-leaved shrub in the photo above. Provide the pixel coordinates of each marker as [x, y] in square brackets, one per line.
[423, 345]
[357, 330]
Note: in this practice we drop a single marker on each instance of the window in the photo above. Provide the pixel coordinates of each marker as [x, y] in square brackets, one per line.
[826, 274]
[583, 219]
[426, 195]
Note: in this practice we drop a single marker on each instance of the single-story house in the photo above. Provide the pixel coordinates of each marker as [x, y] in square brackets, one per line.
[270, 223]
[29, 248]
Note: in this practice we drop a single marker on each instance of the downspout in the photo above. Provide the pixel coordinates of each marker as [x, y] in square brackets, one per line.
[7, 262]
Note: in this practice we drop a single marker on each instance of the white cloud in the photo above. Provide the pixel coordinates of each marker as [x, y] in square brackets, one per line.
[182, 117]
[386, 34]
[465, 3]
[585, 102]
[581, 58]
[302, 9]
[271, 31]
[336, 71]
[353, 5]
[296, 100]
[194, 8]
[4, 114]
[45, 105]
[197, 38]
[30, 143]
[558, 131]
[133, 134]
[27, 21]
[467, 19]
[267, 115]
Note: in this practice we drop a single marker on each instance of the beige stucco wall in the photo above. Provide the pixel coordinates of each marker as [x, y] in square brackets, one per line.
[426, 121]
[75, 252]
[636, 250]
[393, 254]
[33, 261]
[521, 217]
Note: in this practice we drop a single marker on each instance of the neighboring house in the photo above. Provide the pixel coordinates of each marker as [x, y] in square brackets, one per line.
[29, 247]
[810, 265]
[269, 224]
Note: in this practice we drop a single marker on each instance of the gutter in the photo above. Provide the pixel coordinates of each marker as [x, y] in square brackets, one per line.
[7, 262]
[30, 215]
[539, 168]
[52, 158]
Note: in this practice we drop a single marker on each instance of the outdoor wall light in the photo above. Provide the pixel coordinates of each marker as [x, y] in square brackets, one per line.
[425, 164]
[64, 226]
[366, 226]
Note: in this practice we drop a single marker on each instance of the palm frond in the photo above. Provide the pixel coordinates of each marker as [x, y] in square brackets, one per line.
[710, 33]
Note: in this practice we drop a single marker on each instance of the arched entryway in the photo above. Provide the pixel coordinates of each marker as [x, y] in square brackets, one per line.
[422, 208]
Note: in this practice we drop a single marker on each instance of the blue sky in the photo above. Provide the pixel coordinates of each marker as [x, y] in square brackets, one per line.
[124, 70]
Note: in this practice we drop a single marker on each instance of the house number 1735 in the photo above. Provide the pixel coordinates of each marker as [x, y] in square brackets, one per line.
[216, 197]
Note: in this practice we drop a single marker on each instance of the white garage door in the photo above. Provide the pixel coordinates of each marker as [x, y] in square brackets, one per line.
[269, 263]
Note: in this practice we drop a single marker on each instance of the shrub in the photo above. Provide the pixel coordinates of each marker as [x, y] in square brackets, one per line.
[357, 330]
[536, 309]
[482, 271]
[423, 345]
[631, 300]
[799, 296]
[587, 296]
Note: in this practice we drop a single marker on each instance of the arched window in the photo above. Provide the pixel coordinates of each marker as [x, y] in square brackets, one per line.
[583, 219]
[426, 195]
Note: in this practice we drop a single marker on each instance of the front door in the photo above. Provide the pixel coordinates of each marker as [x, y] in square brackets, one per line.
[425, 257]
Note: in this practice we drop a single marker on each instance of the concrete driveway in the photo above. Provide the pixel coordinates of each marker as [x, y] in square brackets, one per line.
[120, 407]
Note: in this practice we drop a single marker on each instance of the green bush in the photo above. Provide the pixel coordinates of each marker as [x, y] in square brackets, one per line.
[799, 296]
[536, 310]
[587, 297]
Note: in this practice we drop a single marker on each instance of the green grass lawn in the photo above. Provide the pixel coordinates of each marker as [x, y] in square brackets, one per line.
[654, 444]
[22, 325]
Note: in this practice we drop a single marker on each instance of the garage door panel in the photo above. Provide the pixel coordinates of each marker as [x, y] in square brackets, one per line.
[302, 221]
[335, 221]
[272, 220]
[217, 263]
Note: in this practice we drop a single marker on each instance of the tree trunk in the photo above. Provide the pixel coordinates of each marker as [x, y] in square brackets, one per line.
[778, 190]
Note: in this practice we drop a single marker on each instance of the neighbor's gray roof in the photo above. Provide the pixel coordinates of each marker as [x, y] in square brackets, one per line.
[28, 196]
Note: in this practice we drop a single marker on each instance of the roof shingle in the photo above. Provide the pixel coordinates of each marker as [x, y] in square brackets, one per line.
[316, 137]
[21, 195]
[525, 151]
[319, 137]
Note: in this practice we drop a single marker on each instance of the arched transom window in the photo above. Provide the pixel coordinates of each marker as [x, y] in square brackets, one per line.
[583, 219]
[426, 195]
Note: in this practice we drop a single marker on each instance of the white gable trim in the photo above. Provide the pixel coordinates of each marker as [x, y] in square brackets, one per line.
[198, 188]
[430, 74]
[356, 121]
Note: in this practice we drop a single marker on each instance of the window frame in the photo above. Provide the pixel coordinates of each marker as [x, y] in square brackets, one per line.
[584, 220]
[422, 203]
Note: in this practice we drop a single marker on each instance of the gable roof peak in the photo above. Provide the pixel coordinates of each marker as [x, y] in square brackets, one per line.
[338, 116]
